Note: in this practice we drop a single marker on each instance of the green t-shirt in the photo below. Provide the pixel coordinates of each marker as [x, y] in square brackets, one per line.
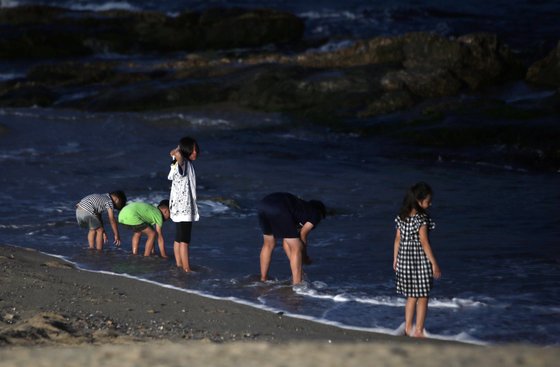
[137, 213]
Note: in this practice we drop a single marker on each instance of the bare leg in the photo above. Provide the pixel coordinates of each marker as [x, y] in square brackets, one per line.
[135, 242]
[149, 241]
[177, 254]
[266, 255]
[91, 238]
[287, 249]
[295, 250]
[409, 311]
[99, 238]
[421, 311]
[184, 254]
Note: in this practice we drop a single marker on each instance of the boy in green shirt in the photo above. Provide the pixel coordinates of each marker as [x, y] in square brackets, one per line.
[141, 218]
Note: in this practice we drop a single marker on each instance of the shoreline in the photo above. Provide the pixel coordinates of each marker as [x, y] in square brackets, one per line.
[78, 315]
[34, 282]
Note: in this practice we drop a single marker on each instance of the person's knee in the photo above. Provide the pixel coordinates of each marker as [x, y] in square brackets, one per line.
[294, 244]
[269, 242]
[150, 233]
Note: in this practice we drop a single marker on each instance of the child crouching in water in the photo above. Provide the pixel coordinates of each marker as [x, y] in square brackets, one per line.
[89, 215]
[413, 259]
[141, 218]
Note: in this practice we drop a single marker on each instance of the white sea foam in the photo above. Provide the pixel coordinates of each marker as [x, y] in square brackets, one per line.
[74, 97]
[209, 122]
[456, 303]
[461, 337]
[332, 46]
[110, 5]
[194, 121]
[17, 226]
[330, 14]
[9, 3]
[208, 208]
[10, 76]
[18, 154]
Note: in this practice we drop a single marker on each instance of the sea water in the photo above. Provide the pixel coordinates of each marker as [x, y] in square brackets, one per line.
[497, 224]
[496, 236]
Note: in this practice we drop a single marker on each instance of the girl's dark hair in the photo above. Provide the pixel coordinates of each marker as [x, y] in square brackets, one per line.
[416, 193]
[121, 196]
[320, 207]
[187, 145]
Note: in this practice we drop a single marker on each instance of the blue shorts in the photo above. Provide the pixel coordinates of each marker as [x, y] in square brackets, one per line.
[277, 221]
[88, 220]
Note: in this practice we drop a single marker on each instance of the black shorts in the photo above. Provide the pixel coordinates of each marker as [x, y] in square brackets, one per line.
[277, 221]
[183, 232]
[136, 227]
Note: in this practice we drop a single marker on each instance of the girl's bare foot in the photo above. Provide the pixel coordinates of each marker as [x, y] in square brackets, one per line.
[419, 334]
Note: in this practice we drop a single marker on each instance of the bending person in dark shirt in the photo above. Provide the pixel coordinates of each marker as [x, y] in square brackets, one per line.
[283, 215]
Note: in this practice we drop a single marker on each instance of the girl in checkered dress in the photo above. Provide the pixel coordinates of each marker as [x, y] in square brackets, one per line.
[413, 260]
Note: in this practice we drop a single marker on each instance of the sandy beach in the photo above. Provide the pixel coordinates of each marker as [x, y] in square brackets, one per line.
[52, 314]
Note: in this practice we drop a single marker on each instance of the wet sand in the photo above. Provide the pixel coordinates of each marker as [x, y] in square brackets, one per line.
[90, 319]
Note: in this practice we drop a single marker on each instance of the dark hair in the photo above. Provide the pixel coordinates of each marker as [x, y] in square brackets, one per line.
[164, 203]
[187, 145]
[318, 205]
[121, 196]
[415, 193]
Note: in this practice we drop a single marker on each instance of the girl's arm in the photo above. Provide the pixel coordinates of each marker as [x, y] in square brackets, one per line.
[114, 226]
[176, 153]
[425, 242]
[161, 242]
[396, 248]
[304, 231]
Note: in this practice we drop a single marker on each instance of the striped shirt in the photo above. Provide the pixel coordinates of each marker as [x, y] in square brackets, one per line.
[96, 203]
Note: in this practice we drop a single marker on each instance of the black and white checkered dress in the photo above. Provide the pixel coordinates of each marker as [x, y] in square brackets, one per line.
[414, 275]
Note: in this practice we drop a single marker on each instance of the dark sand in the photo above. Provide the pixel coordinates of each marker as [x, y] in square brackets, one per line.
[81, 318]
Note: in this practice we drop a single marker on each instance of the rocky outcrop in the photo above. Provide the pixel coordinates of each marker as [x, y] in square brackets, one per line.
[48, 32]
[546, 72]
[371, 77]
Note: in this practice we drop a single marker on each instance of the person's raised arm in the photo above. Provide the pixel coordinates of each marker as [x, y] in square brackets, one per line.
[176, 154]
[425, 242]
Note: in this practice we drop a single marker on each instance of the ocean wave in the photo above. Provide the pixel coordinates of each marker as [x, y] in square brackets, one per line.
[332, 46]
[194, 121]
[308, 290]
[209, 208]
[10, 3]
[330, 14]
[10, 76]
[19, 154]
[73, 5]
[460, 337]
[96, 7]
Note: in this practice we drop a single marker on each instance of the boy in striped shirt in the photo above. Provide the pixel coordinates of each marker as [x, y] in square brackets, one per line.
[89, 215]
